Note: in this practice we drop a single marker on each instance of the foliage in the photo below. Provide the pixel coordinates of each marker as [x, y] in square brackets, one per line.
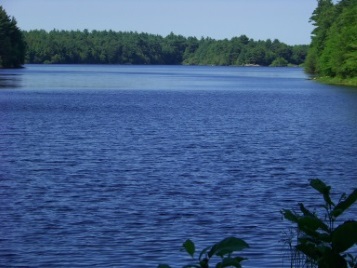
[223, 249]
[333, 50]
[109, 47]
[12, 45]
[296, 258]
[339, 81]
[323, 243]
[319, 242]
[279, 62]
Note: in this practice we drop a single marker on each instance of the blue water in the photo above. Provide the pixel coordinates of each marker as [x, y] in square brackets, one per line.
[116, 166]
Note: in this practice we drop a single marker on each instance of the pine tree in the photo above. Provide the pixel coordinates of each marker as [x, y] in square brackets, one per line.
[12, 44]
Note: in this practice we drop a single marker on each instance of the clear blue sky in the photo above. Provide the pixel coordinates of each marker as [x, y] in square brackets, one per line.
[286, 20]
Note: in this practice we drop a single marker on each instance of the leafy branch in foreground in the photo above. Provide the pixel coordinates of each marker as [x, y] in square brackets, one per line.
[223, 249]
[318, 239]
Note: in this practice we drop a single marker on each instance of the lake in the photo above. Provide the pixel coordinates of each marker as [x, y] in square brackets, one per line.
[116, 166]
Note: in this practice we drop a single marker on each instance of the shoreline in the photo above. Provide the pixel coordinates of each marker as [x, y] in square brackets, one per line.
[350, 82]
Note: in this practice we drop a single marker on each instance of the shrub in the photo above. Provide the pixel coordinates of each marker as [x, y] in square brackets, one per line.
[223, 249]
[323, 243]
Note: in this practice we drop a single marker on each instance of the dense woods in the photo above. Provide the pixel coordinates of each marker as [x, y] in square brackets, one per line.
[109, 47]
[12, 45]
[333, 50]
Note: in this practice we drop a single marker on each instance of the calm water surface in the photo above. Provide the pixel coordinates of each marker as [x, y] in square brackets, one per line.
[115, 166]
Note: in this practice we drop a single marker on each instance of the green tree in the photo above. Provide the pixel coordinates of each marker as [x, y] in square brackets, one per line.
[322, 18]
[333, 50]
[279, 62]
[299, 53]
[109, 47]
[12, 45]
[339, 57]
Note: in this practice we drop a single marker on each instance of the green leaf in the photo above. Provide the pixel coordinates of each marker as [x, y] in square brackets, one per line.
[306, 240]
[289, 215]
[308, 223]
[204, 263]
[227, 246]
[344, 236]
[203, 252]
[324, 237]
[324, 249]
[305, 211]
[322, 188]
[229, 262]
[332, 260]
[189, 246]
[343, 205]
[319, 185]
[312, 223]
[309, 250]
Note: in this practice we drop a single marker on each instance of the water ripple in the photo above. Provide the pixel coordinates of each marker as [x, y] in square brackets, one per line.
[121, 178]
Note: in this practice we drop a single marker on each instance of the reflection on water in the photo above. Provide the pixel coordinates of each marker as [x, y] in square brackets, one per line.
[9, 79]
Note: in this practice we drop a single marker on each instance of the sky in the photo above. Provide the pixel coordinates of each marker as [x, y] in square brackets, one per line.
[286, 20]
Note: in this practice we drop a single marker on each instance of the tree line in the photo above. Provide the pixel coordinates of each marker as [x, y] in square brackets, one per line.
[333, 50]
[12, 43]
[110, 47]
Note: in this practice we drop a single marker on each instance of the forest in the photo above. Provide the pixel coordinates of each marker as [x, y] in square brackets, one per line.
[333, 50]
[12, 43]
[332, 53]
[109, 47]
